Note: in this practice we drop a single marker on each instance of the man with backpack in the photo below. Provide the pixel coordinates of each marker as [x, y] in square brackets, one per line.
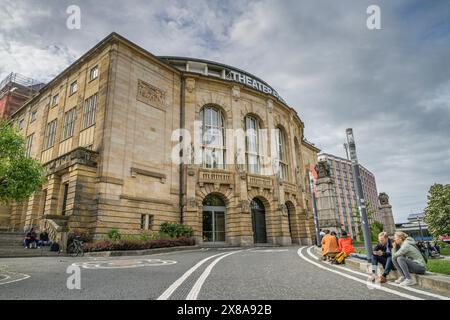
[382, 254]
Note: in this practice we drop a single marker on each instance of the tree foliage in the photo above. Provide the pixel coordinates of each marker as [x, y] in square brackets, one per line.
[20, 175]
[437, 212]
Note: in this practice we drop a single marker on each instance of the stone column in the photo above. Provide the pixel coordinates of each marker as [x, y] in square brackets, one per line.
[326, 198]
[385, 210]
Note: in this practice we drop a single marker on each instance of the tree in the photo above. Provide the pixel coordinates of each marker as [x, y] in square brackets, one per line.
[20, 175]
[437, 212]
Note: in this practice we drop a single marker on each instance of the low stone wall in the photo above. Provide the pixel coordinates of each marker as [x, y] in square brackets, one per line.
[430, 280]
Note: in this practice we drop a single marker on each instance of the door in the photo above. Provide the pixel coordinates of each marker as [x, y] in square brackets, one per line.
[258, 221]
[214, 224]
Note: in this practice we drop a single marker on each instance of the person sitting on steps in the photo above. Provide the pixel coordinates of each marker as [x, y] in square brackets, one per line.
[330, 246]
[407, 258]
[382, 254]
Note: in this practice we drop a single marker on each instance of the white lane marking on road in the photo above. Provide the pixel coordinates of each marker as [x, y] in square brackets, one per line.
[23, 276]
[269, 250]
[193, 294]
[311, 254]
[124, 263]
[166, 294]
[401, 294]
[426, 293]
[434, 295]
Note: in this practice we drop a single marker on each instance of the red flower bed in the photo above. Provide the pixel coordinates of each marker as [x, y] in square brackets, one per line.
[120, 245]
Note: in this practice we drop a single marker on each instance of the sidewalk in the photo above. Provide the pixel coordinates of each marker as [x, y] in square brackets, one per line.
[429, 280]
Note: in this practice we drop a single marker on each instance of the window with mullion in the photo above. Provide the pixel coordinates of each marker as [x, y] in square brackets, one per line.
[69, 124]
[281, 154]
[212, 138]
[252, 145]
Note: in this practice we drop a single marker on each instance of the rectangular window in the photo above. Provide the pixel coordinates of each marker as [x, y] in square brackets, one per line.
[146, 222]
[33, 116]
[69, 124]
[64, 204]
[55, 100]
[29, 144]
[21, 124]
[73, 88]
[50, 132]
[93, 74]
[89, 112]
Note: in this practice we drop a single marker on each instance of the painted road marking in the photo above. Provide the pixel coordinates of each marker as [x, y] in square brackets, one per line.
[193, 294]
[369, 284]
[10, 277]
[269, 250]
[123, 263]
[426, 293]
[166, 294]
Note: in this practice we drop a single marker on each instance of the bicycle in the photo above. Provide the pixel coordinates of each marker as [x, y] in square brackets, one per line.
[75, 249]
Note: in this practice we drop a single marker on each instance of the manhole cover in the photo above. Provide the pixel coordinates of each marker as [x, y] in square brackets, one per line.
[120, 264]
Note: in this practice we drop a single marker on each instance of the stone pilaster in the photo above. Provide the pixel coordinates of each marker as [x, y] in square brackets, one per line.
[387, 218]
[326, 204]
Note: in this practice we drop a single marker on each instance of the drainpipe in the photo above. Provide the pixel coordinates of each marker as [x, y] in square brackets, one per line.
[181, 180]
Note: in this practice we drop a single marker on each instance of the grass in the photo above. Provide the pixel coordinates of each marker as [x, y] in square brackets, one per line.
[439, 266]
[445, 251]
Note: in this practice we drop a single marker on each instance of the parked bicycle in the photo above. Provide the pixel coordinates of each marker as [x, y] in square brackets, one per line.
[75, 248]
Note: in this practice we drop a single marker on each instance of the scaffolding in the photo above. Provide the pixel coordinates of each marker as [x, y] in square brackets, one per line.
[23, 85]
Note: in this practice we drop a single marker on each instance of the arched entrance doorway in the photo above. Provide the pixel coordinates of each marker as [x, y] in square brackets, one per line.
[214, 219]
[258, 221]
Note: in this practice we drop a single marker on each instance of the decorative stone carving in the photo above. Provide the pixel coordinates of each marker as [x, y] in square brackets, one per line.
[270, 105]
[236, 93]
[384, 198]
[283, 209]
[322, 169]
[245, 205]
[192, 203]
[150, 95]
[190, 85]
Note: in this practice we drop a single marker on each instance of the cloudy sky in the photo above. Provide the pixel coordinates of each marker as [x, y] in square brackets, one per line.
[392, 85]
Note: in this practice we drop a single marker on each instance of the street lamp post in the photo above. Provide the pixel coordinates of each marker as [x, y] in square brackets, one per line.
[316, 218]
[360, 196]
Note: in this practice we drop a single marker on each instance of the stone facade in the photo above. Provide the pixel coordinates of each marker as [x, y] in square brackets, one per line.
[118, 171]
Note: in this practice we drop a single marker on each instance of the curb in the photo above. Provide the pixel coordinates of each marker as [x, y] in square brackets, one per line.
[139, 252]
[430, 280]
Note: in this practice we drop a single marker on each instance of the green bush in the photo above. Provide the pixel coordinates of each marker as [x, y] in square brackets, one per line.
[114, 235]
[176, 230]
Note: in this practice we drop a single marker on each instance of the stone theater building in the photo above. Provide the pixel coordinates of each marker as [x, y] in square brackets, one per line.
[106, 128]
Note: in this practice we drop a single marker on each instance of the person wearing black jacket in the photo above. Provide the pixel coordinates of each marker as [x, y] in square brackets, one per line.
[382, 253]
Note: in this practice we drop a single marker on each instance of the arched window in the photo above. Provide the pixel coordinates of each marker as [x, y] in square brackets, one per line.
[212, 138]
[281, 154]
[253, 153]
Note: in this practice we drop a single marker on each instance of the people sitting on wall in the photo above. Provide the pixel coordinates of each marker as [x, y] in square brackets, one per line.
[330, 246]
[44, 239]
[382, 254]
[407, 258]
[346, 244]
[30, 239]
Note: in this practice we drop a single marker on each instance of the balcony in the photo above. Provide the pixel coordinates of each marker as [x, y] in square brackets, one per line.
[290, 187]
[215, 176]
[257, 181]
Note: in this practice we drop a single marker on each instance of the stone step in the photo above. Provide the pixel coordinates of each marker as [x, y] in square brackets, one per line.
[22, 252]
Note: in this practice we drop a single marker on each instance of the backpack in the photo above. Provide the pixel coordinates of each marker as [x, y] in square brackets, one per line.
[340, 258]
[423, 254]
[54, 247]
